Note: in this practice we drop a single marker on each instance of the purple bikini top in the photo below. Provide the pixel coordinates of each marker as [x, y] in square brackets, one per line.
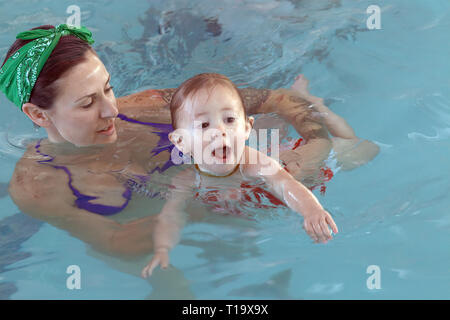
[83, 200]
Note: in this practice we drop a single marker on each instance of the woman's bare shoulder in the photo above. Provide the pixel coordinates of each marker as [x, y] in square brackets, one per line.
[33, 184]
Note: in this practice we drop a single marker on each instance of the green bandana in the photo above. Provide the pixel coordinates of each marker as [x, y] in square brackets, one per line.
[20, 72]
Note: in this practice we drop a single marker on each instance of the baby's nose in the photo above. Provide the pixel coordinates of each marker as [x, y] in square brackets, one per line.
[221, 131]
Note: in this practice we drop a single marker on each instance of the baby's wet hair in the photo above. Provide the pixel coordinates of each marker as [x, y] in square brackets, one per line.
[192, 86]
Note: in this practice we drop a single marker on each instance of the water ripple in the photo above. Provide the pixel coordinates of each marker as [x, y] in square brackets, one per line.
[436, 107]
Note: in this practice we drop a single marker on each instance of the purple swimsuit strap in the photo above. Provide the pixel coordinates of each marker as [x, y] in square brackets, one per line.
[164, 144]
[83, 200]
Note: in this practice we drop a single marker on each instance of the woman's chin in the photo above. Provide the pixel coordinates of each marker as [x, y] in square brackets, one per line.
[107, 139]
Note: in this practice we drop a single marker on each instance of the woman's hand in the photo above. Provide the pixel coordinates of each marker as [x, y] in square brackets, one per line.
[316, 225]
[161, 257]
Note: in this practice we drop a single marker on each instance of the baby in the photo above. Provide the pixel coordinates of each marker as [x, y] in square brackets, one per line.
[211, 126]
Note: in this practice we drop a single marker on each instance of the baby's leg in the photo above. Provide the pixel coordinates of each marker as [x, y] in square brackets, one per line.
[336, 125]
[351, 151]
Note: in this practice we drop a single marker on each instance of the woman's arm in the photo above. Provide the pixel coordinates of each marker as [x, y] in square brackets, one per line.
[151, 98]
[303, 163]
[288, 104]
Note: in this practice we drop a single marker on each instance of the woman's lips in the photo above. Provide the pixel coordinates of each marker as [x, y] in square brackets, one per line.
[108, 131]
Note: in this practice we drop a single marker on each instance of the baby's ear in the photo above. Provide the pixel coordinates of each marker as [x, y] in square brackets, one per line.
[180, 139]
[249, 126]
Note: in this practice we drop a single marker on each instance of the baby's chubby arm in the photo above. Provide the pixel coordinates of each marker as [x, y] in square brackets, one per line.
[169, 222]
[293, 193]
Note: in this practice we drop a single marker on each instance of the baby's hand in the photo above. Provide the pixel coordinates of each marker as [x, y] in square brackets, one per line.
[316, 225]
[161, 257]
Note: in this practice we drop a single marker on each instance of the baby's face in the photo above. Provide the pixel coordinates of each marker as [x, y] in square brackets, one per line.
[217, 128]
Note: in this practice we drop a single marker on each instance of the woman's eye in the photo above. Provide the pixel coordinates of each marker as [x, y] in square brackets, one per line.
[109, 89]
[87, 105]
[205, 125]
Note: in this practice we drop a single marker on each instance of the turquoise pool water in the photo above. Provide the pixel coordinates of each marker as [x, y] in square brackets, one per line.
[391, 85]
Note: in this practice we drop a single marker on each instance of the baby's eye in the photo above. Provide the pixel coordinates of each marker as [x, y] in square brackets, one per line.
[230, 119]
[205, 125]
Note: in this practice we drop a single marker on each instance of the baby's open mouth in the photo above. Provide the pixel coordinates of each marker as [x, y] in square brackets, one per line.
[222, 153]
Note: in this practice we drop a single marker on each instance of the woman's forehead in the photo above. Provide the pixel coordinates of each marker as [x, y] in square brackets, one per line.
[92, 69]
[83, 78]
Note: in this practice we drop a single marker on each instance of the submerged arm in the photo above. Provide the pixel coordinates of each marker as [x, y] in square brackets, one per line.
[169, 223]
[43, 193]
[52, 202]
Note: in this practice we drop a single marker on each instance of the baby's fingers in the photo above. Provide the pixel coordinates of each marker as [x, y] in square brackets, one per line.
[319, 232]
[331, 223]
[325, 230]
[165, 261]
[148, 269]
[309, 229]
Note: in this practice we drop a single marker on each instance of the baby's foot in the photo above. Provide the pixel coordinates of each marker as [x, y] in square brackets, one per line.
[301, 85]
[319, 110]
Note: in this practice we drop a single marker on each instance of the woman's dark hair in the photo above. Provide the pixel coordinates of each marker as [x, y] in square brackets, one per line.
[69, 52]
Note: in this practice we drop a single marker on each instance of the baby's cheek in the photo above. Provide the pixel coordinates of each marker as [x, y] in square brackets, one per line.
[198, 145]
[198, 142]
[240, 136]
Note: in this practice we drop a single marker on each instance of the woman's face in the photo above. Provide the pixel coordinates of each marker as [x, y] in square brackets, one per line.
[85, 107]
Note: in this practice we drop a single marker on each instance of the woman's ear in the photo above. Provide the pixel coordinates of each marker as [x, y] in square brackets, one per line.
[38, 115]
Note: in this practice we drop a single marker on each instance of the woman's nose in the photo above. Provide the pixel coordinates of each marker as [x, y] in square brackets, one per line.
[109, 109]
